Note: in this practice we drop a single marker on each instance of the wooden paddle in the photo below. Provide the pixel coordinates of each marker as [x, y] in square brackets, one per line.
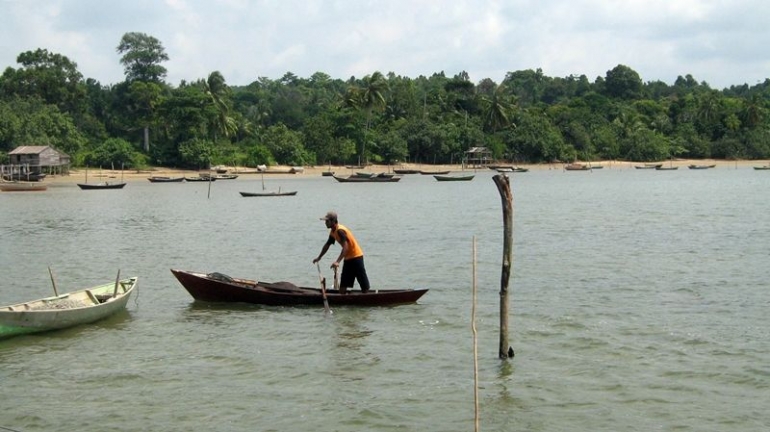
[323, 289]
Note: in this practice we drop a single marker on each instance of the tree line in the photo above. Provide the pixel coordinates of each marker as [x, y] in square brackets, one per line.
[389, 119]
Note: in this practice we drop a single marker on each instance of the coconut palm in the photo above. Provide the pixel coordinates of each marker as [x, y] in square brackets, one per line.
[497, 109]
[368, 97]
[218, 91]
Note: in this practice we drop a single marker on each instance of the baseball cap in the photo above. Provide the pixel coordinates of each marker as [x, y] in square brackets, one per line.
[332, 216]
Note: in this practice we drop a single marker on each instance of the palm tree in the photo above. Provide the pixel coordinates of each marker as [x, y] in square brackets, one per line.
[217, 90]
[370, 97]
[497, 109]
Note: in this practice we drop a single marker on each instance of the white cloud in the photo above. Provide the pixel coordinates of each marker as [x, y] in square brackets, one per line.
[721, 42]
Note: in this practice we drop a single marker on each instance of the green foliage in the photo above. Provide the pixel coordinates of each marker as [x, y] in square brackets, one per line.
[259, 155]
[286, 146]
[31, 122]
[380, 118]
[142, 55]
[197, 153]
[114, 152]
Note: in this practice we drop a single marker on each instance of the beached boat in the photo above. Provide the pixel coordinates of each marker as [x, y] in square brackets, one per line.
[267, 194]
[217, 287]
[406, 171]
[374, 179]
[443, 178]
[435, 172]
[66, 310]
[760, 168]
[29, 177]
[701, 166]
[162, 179]
[200, 179]
[649, 166]
[19, 186]
[577, 167]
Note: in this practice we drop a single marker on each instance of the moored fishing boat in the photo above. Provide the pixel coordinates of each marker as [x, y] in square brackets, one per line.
[66, 310]
[443, 178]
[163, 179]
[373, 179]
[268, 194]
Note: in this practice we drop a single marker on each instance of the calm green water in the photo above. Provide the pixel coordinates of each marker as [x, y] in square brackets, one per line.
[639, 303]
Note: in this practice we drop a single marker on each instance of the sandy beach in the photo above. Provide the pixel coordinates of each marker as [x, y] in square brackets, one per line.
[96, 176]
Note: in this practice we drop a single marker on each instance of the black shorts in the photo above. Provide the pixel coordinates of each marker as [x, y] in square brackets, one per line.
[354, 269]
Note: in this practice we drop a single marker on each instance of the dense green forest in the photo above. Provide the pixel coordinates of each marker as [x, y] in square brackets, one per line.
[529, 117]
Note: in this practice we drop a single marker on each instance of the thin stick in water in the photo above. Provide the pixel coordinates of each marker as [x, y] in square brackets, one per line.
[475, 346]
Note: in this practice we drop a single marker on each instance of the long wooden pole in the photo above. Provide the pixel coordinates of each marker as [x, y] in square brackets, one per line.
[504, 187]
[117, 283]
[53, 282]
[475, 347]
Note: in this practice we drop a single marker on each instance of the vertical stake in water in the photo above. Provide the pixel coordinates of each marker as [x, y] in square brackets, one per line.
[211, 179]
[504, 187]
[475, 346]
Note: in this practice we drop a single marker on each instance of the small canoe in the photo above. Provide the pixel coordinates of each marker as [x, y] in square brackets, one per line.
[23, 186]
[267, 194]
[577, 167]
[217, 287]
[200, 179]
[760, 168]
[161, 179]
[96, 186]
[434, 172]
[406, 171]
[701, 166]
[442, 178]
[649, 166]
[66, 310]
[374, 179]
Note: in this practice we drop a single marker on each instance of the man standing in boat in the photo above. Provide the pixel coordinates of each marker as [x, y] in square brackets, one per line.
[351, 252]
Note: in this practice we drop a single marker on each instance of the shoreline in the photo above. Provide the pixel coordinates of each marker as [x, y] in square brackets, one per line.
[78, 175]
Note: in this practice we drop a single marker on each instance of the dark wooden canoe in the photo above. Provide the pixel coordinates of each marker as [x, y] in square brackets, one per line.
[216, 287]
[161, 179]
[406, 171]
[701, 166]
[373, 179]
[443, 178]
[267, 194]
[95, 186]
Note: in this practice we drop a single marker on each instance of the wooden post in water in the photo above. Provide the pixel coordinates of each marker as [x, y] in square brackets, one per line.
[504, 187]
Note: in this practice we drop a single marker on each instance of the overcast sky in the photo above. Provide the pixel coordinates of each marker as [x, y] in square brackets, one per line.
[722, 42]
